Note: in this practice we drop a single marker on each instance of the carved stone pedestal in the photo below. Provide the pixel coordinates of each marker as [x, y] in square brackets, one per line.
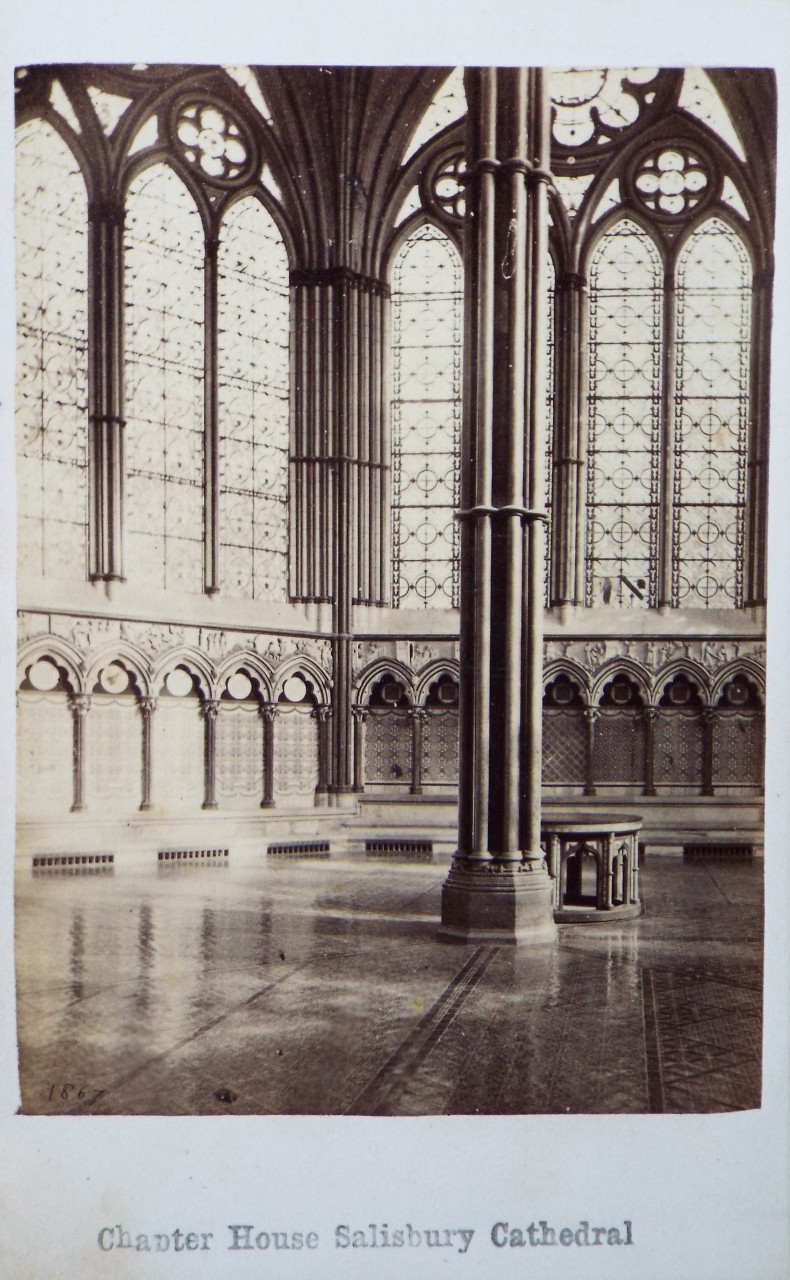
[497, 902]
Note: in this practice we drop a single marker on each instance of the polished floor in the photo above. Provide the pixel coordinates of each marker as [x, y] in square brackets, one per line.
[320, 987]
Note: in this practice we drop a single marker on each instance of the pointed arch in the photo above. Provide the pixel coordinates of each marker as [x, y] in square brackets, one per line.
[164, 383]
[427, 301]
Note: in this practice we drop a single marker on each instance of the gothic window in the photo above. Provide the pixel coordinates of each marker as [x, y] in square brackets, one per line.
[427, 340]
[669, 387]
[711, 416]
[164, 383]
[624, 426]
[52, 390]
[253, 404]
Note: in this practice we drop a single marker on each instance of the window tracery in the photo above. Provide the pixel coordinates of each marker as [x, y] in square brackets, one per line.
[52, 337]
[164, 383]
[252, 336]
[427, 334]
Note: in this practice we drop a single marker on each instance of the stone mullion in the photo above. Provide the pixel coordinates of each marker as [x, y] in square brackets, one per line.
[268, 714]
[210, 710]
[106, 443]
[755, 533]
[147, 708]
[572, 303]
[669, 471]
[80, 705]
[211, 419]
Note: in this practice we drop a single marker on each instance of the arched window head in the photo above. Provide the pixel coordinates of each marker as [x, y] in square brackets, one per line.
[626, 280]
[253, 404]
[164, 250]
[426, 420]
[714, 279]
[52, 392]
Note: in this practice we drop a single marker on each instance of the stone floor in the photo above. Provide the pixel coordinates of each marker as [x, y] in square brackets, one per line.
[319, 987]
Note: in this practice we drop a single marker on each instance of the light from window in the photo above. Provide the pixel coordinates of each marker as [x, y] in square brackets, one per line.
[52, 390]
[427, 340]
[164, 383]
[253, 404]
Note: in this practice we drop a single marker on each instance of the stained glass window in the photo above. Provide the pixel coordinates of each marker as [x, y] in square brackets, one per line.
[427, 340]
[626, 280]
[711, 417]
[164, 252]
[253, 404]
[52, 393]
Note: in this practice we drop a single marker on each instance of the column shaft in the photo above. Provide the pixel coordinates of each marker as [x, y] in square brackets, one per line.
[210, 710]
[147, 708]
[105, 389]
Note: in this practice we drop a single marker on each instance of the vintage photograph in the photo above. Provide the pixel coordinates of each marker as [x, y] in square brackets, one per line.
[392, 449]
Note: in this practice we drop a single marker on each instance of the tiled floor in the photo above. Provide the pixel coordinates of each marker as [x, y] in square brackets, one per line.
[319, 987]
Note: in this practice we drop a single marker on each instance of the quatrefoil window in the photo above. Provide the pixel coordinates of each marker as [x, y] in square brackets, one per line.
[212, 140]
[673, 181]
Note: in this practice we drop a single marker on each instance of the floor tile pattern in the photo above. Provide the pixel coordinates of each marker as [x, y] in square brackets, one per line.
[320, 987]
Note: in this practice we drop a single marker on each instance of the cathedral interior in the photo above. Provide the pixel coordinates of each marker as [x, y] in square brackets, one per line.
[391, 482]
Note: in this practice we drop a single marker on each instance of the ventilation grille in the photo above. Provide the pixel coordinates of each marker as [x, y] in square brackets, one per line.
[711, 852]
[73, 864]
[416, 850]
[193, 855]
[300, 849]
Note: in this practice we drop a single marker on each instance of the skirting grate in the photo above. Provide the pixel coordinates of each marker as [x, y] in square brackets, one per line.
[73, 864]
[416, 850]
[718, 852]
[193, 855]
[300, 849]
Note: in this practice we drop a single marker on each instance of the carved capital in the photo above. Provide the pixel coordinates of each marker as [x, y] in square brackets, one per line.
[80, 703]
[322, 713]
[360, 714]
[268, 711]
[147, 706]
[210, 708]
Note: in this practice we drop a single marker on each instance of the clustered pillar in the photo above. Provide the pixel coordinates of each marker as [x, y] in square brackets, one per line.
[498, 887]
[339, 470]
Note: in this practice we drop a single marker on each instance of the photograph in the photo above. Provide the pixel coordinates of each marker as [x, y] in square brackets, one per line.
[394, 768]
[391, 458]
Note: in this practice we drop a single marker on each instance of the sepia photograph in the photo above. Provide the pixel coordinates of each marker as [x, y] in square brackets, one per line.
[394, 767]
[391, 468]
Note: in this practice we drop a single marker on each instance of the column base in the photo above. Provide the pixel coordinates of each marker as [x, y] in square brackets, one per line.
[497, 902]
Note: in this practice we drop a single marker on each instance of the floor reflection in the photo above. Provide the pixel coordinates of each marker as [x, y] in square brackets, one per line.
[315, 987]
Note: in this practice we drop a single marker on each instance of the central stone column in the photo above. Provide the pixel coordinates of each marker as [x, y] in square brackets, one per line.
[498, 888]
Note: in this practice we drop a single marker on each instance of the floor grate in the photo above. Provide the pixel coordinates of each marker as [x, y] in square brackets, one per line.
[73, 864]
[193, 855]
[416, 850]
[300, 849]
[710, 851]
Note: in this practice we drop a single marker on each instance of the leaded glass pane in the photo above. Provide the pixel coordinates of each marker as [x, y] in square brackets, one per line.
[164, 383]
[253, 404]
[426, 420]
[52, 386]
[448, 104]
[713, 354]
[624, 426]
